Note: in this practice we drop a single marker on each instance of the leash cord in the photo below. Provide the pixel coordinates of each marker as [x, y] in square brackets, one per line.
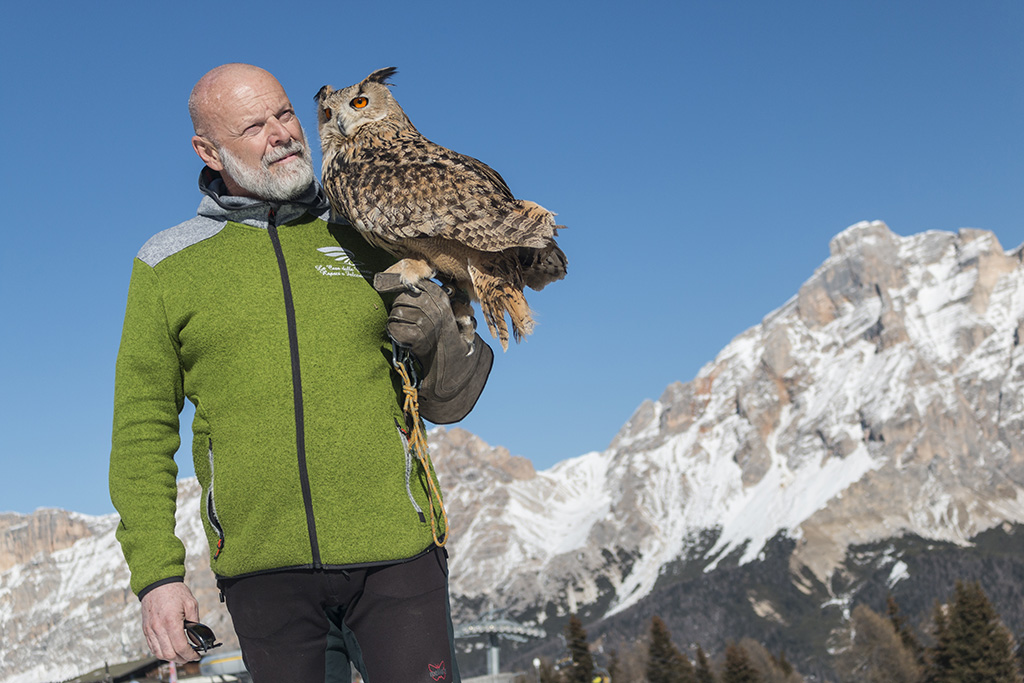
[417, 440]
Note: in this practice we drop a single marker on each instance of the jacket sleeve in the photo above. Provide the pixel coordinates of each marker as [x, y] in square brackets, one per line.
[148, 397]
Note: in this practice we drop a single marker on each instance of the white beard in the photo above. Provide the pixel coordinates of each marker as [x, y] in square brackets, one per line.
[279, 184]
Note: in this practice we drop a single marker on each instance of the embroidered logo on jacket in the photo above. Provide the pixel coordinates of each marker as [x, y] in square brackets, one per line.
[438, 672]
[346, 266]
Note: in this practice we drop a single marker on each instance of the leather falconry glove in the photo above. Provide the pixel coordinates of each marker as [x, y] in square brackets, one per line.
[454, 373]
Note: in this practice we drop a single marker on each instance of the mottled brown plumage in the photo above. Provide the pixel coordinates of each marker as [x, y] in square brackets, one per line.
[441, 212]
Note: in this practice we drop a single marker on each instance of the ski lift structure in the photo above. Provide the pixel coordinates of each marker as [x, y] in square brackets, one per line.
[494, 628]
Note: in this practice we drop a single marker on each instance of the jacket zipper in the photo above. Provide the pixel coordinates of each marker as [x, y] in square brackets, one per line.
[211, 508]
[300, 428]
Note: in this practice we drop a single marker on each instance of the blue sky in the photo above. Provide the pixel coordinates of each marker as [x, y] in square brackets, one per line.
[702, 155]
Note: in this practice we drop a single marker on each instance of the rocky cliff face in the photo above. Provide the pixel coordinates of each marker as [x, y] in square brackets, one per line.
[883, 403]
[22, 537]
[65, 605]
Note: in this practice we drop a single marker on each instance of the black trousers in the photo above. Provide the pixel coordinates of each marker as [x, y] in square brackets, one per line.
[392, 623]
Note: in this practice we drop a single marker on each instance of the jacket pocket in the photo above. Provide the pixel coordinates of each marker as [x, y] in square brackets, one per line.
[409, 464]
[211, 508]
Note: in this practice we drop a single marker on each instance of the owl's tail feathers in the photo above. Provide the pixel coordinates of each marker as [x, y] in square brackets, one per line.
[497, 297]
[541, 267]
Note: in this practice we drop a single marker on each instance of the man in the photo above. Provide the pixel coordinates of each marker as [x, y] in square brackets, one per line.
[261, 312]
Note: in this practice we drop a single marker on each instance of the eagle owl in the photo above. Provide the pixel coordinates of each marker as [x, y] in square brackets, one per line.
[441, 213]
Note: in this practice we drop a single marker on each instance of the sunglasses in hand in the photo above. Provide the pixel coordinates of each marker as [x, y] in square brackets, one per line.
[200, 636]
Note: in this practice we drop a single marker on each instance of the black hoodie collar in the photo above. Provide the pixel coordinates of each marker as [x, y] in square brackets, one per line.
[219, 205]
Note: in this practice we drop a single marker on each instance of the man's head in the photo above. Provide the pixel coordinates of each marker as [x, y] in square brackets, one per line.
[245, 128]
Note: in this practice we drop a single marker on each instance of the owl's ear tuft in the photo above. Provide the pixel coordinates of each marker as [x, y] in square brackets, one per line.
[381, 76]
[322, 94]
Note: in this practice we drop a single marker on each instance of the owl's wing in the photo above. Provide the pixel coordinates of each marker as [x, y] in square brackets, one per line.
[425, 190]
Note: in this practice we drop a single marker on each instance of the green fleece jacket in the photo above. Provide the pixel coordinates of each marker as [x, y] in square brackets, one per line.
[264, 318]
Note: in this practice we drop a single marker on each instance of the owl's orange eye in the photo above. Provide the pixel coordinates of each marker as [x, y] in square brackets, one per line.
[327, 114]
[359, 102]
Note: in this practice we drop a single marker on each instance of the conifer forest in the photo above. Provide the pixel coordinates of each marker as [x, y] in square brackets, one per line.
[965, 642]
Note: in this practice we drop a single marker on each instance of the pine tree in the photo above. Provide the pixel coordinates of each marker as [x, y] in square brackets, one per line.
[548, 673]
[903, 630]
[737, 668]
[614, 667]
[783, 664]
[938, 656]
[980, 647]
[767, 665]
[582, 662]
[665, 663]
[876, 654]
[703, 671]
[632, 662]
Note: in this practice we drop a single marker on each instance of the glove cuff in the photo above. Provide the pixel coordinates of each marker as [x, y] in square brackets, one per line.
[455, 380]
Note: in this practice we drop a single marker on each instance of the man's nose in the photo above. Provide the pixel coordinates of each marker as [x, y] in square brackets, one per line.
[277, 132]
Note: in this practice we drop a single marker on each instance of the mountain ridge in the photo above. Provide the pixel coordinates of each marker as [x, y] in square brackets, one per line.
[769, 400]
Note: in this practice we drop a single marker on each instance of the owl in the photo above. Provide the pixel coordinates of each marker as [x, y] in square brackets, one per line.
[443, 214]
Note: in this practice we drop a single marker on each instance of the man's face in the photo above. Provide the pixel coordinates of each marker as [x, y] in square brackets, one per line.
[259, 142]
[271, 179]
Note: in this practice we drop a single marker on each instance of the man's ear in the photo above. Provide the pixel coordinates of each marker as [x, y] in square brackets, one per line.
[207, 151]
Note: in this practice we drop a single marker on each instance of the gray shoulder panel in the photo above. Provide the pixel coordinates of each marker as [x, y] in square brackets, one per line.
[173, 240]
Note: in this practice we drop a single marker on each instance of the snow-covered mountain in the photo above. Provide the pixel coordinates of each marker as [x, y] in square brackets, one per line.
[884, 400]
[65, 605]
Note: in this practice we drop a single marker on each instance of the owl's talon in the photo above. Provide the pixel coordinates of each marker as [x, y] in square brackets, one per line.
[467, 328]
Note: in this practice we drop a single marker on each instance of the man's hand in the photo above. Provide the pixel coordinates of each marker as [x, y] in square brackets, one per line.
[454, 372]
[164, 611]
[419, 318]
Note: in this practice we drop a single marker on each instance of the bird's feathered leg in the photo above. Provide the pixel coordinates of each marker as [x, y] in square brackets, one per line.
[497, 297]
[412, 270]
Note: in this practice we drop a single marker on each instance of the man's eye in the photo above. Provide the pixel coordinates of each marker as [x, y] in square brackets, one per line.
[286, 116]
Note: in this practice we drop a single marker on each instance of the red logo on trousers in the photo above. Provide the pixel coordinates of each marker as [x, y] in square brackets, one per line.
[438, 671]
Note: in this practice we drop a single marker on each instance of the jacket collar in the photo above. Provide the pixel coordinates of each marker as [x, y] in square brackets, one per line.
[219, 205]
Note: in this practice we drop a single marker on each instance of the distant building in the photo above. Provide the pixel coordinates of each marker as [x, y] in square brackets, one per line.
[148, 669]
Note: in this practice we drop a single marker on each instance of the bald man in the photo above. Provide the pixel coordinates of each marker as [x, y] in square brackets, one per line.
[261, 312]
[247, 130]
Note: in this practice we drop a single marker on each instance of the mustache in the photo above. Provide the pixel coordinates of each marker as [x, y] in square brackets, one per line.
[278, 153]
